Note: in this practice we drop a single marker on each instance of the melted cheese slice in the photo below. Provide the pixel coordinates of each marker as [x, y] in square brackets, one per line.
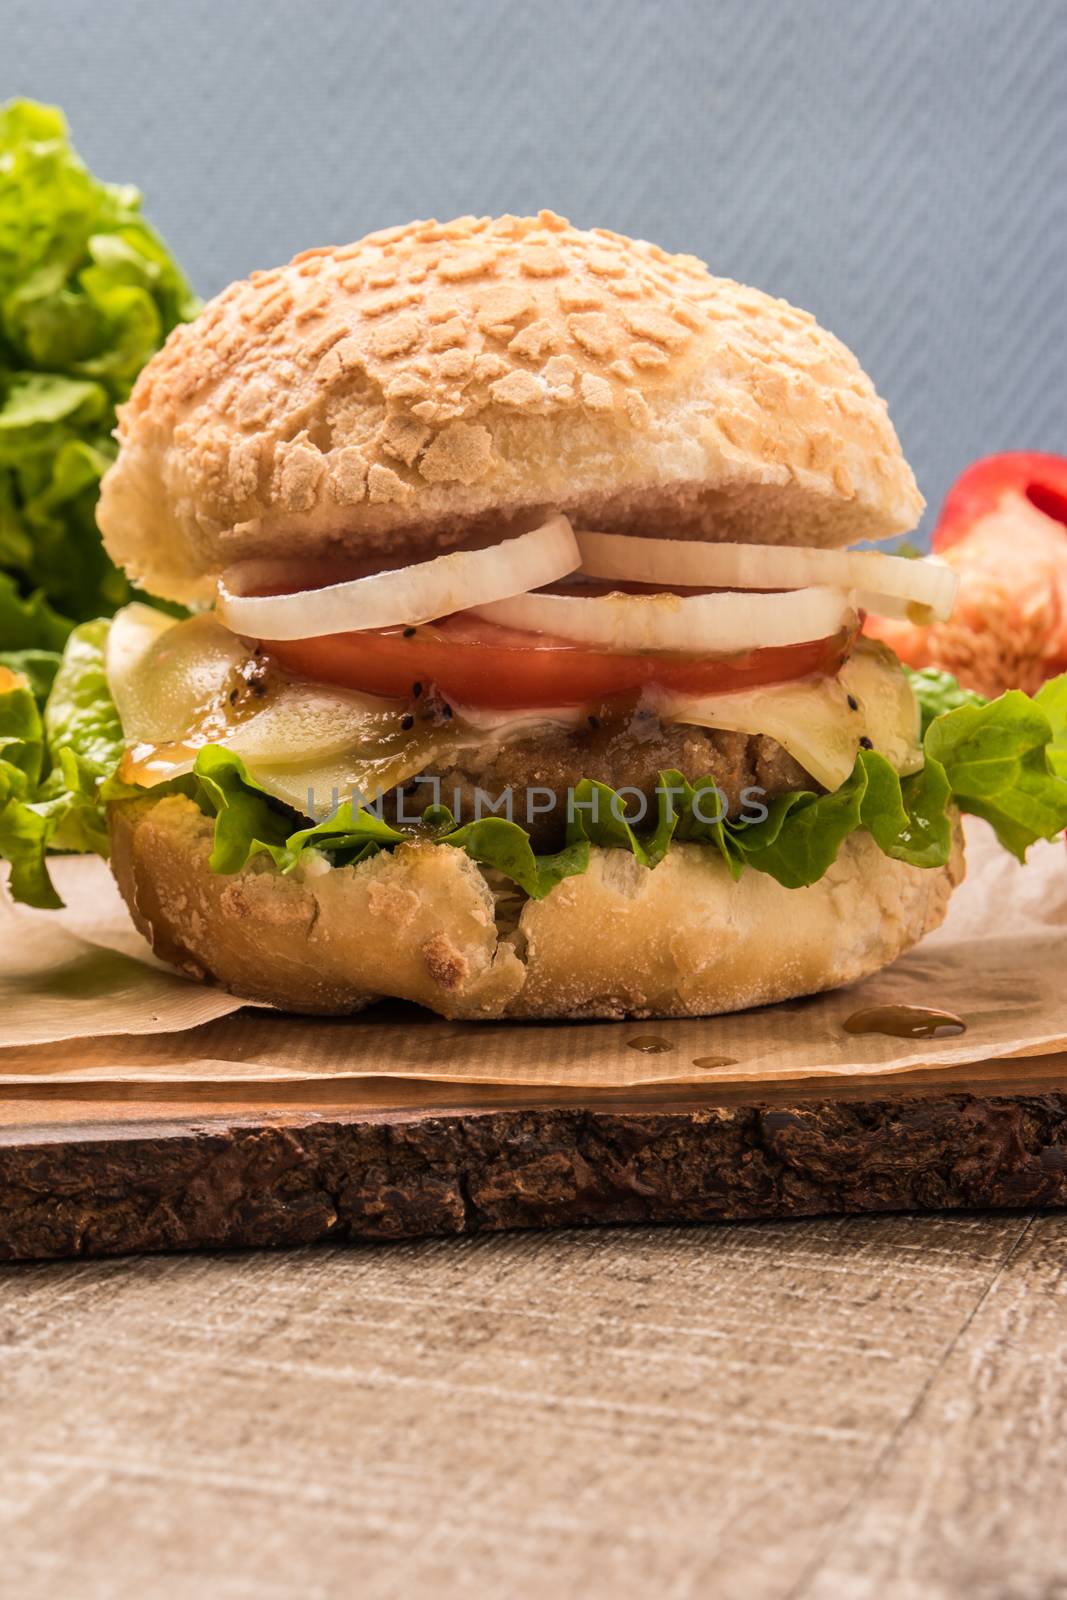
[164, 675]
[177, 686]
[820, 721]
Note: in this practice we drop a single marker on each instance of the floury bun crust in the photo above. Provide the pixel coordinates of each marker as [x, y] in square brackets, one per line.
[387, 395]
[422, 924]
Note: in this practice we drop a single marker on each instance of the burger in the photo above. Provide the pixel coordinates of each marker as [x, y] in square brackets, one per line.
[522, 670]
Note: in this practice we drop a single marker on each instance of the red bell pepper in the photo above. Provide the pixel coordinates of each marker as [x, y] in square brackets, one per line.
[982, 488]
[1003, 528]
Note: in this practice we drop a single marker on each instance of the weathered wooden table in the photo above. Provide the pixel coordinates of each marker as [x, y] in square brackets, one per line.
[822, 1410]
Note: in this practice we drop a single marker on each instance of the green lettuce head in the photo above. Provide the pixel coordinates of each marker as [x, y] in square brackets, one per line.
[88, 291]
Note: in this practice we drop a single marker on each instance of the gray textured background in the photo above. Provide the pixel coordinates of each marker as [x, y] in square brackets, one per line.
[899, 167]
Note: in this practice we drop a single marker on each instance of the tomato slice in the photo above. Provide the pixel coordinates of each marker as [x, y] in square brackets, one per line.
[477, 663]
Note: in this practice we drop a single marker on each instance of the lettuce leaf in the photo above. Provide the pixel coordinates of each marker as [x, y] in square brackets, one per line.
[505, 847]
[1052, 699]
[248, 822]
[38, 667]
[28, 622]
[87, 293]
[938, 692]
[80, 715]
[26, 821]
[997, 758]
[52, 764]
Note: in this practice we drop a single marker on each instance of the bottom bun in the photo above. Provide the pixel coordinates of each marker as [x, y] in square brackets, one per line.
[426, 924]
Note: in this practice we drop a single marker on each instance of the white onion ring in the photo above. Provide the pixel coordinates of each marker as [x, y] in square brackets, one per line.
[400, 596]
[700, 624]
[889, 586]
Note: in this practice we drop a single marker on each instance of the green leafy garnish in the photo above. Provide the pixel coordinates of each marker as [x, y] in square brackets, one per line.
[38, 667]
[1052, 698]
[997, 759]
[80, 714]
[938, 692]
[88, 291]
[504, 846]
[52, 763]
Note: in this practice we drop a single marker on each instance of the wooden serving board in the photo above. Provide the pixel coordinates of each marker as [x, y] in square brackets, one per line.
[101, 1169]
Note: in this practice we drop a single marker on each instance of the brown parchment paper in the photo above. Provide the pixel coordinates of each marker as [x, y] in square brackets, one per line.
[82, 1000]
[86, 971]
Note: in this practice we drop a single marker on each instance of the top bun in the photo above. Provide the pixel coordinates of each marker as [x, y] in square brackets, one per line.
[397, 394]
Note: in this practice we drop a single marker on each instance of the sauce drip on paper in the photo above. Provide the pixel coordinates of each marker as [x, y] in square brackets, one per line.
[906, 1022]
[652, 1044]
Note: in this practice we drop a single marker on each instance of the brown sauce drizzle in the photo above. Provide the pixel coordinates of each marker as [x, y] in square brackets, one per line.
[906, 1022]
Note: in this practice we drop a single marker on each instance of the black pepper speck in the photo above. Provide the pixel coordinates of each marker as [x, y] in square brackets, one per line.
[866, 744]
[853, 703]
